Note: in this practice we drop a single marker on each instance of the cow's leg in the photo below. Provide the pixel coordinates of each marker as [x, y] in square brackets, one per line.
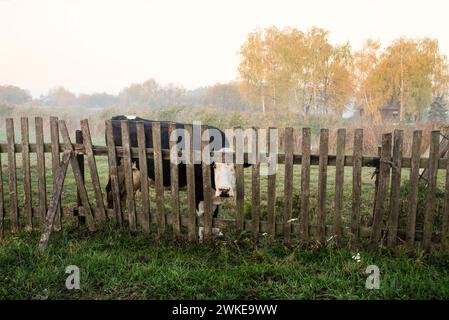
[200, 212]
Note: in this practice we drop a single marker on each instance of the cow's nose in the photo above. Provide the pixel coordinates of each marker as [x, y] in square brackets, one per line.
[224, 192]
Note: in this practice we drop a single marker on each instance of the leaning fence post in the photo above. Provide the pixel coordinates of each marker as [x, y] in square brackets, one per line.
[55, 201]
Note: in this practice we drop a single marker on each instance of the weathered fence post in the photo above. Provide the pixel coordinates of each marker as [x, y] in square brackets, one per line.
[305, 185]
[41, 168]
[395, 188]
[13, 207]
[356, 185]
[54, 134]
[413, 192]
[339, 181]
[127, 164]
[27, 208]
[144, 219]
[158, 181]
[322, 185]
[207, 188]
[190, 167]
[288, 183]
[255, 184]
[271, 192]
[174, 182]
[430, 211]
[239, 148]
[382, 191]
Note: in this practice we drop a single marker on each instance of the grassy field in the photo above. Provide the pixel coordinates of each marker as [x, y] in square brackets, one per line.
[117, 265]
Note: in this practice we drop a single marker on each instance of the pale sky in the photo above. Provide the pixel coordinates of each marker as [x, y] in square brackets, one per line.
[95, 46]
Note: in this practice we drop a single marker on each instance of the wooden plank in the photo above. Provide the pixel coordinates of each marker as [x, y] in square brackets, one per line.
[395, 188]
[78, 177]
[191, 214]
[271, 190]
[40, 167]
[174, 181]
[288, 183]
[143, 219]
[255, 185]
[322, 184]
[13, 207]
[413, 193]
[2, 199]
[305, 185]
[430, 211]
[207, 186]
[100, 212]
[54, 133]
[445, 226]
[55, 201]
[382, 191]
[127, 161]
[240, 179]
[113, 173]
[158, 177]
[26, 174]
[339, 183]
[356, 185]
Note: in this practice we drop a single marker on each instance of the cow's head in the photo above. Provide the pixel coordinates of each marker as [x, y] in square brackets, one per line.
[224, 174]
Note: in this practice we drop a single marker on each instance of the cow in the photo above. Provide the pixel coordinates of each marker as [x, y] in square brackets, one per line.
[222, 174]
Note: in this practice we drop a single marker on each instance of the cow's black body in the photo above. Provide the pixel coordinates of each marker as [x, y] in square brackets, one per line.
[165, 140]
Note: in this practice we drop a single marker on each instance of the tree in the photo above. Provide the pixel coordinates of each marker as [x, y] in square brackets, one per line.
[409, 73]
[225, 96]
[288, 69]
[60, 97]
[13, 95]
[438, 111]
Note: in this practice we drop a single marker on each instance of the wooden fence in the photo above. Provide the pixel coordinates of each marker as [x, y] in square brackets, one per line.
[382, 228]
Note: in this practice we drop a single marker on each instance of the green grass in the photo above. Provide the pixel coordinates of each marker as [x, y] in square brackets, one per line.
[120, 265]
[124, 266]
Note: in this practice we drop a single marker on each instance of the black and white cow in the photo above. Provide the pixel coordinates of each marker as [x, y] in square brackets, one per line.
[222, 175]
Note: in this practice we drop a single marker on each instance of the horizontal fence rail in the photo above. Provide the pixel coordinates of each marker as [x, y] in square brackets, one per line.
[395, 218]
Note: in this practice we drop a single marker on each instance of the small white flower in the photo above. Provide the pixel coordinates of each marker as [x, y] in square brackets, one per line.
[356, 257]
[264, 234]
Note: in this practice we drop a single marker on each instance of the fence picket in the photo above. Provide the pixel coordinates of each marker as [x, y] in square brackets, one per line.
[271, 190]
[339, 183]
[143, 218]
[305, 185]
[158, 177]
[413, 193]
[288, 183]
[207, 188]
[322, 185]
[190, 167]
[127, 164]
[100, 213]
[255, 184]
[381, 194]
[12, 174]
[113, 174]
[2, 199]
[27, 208]
[41, 168]
[356, 185]
[395, 188]
[239, 148]
[174, 182]
[55, 160]
[430, 211]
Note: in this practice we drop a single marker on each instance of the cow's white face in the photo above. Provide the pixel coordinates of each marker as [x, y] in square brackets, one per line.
[224, 179]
